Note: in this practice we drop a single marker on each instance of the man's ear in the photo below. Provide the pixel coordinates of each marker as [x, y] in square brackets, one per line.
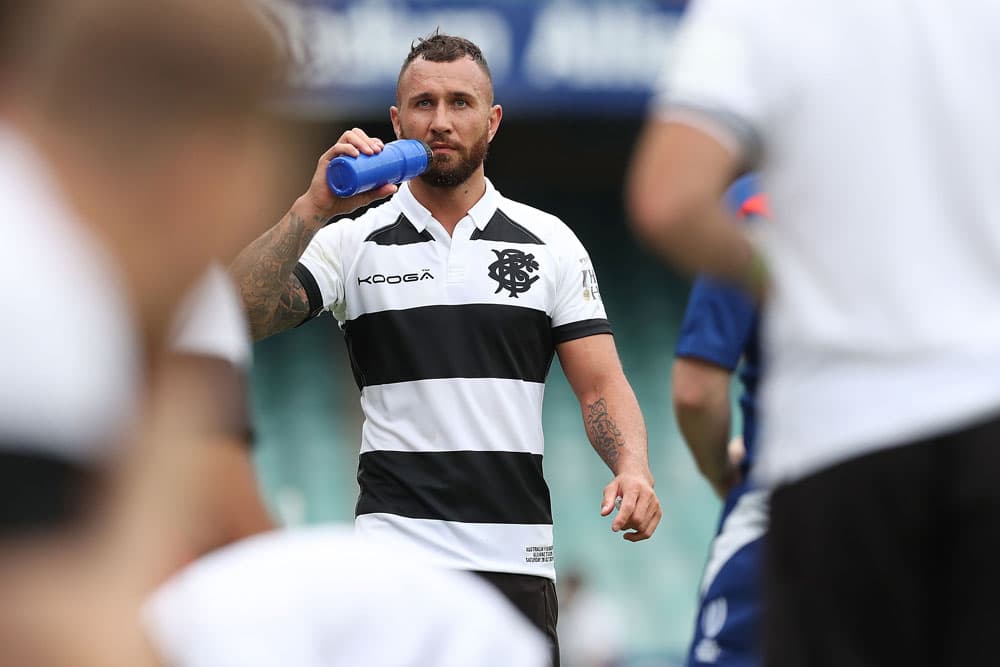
[394, 115]
[496, 113]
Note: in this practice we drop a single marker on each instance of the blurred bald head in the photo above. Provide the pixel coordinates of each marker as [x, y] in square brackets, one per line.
[18, 22]
[151, 114]
[122, 68]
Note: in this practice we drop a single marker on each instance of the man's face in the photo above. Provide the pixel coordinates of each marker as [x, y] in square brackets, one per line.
[449, 106]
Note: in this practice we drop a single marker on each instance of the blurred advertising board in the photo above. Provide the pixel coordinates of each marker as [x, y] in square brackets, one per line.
[547, 57]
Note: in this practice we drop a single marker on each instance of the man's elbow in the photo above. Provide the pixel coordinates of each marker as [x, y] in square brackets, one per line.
[656, 212]
[660, 187]
[698, 388]
[691, 398]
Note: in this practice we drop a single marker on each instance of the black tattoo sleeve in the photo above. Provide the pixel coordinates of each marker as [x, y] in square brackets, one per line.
[604, 434]
[293, 307]
[274, 299]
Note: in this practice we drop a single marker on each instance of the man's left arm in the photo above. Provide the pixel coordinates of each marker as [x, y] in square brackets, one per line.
[616, 430]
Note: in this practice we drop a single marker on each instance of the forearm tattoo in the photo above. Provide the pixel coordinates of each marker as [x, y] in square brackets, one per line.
[273, 299]
[604, 434]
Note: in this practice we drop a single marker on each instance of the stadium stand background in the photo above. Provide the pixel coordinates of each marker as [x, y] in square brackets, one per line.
[566, 156]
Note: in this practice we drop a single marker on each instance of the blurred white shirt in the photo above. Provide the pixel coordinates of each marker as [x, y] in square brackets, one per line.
[874, 124]
[211, 321]
[326, 597]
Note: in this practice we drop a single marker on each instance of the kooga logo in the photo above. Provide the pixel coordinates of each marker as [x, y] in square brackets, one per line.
[379, 278]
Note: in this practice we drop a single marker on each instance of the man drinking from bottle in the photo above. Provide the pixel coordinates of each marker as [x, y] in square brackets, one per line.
[452, 365]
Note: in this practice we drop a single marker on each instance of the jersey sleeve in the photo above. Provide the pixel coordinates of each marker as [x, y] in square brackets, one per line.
[211, 321]
[718, 322]
[321, 270]
[579, 309]
[711, 81]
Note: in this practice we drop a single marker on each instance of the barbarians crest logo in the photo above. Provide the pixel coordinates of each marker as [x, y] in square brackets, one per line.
[513, 270]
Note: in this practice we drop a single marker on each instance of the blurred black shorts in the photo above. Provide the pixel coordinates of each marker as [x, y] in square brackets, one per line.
[889, 558]
[535, 597]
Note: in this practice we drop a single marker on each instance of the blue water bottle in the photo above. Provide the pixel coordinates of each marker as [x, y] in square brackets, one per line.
[399, 161]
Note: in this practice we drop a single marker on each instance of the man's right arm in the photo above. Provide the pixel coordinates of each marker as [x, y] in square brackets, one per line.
[273, 297]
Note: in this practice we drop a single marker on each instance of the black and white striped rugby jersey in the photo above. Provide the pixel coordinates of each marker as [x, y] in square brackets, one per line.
[450, 339]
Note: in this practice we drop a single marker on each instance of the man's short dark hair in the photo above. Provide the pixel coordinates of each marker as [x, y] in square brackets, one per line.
[441, 48]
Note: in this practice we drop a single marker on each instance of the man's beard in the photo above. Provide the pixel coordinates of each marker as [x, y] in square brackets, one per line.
[449, 171]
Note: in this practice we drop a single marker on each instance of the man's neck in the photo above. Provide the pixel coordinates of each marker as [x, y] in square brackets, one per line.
[450, 205]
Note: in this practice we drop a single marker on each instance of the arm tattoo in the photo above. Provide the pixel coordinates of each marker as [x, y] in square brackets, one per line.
[293, 307]
[274, 299]
[604, 434]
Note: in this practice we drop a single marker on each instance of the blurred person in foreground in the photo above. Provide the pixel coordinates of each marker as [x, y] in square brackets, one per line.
[149, 136]
[114, 131]
[882, 326]
[104, 399]
[452, 365]
[719, 336]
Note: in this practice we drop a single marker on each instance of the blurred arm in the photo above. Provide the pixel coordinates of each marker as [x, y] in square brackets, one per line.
[701, 403]
[239, 510]
[187, 485]
[675, 188]
[209, 396]
[616, 430]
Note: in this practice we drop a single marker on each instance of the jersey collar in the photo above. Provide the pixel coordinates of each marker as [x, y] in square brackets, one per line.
[481, 212]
